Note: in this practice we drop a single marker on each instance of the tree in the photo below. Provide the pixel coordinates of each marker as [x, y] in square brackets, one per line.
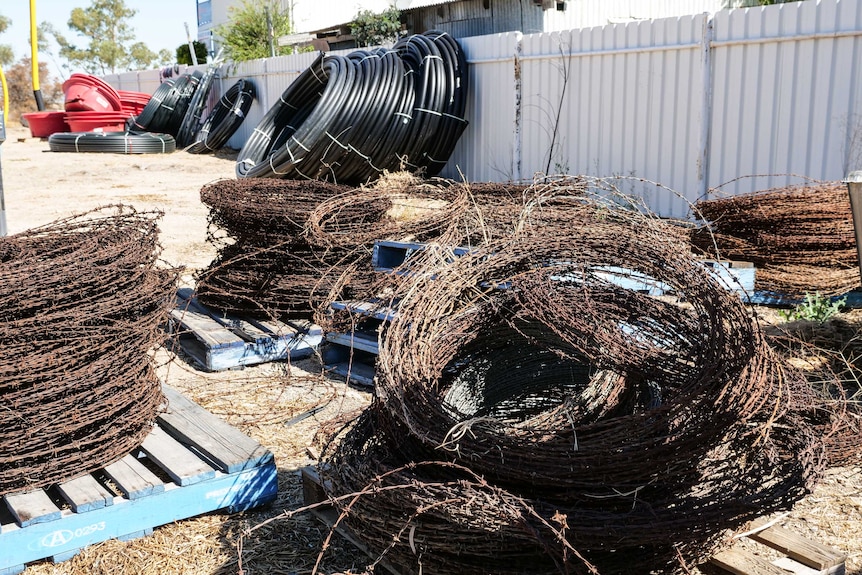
[371, 29]
[6, 54]
[184, 55]
[20, 85]
[105, 26]
[246, 35]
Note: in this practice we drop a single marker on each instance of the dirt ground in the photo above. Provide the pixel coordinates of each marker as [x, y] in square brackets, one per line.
[41, 186]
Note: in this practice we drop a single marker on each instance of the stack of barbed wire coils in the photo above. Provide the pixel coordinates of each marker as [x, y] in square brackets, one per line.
[287, 248]
[800, 238]
[533, 413]
[83, 302]
[265, 266]
[349, 118]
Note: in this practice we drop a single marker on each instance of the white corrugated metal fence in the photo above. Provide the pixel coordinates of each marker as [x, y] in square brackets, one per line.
[689, 103]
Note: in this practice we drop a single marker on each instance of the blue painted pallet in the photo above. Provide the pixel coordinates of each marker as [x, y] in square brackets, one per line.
[217, 341]
[387, 256]
[352, 356]
[210, 465]
[372, 308]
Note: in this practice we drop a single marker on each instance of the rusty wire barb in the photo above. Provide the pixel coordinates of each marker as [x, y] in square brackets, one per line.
[800, 238]
[611, 428]
[82, 305]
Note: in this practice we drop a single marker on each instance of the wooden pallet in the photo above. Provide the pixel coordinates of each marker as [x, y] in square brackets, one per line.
[191, 463]
[353, 355]
[800, 556]
[217, 341]
[387, 256]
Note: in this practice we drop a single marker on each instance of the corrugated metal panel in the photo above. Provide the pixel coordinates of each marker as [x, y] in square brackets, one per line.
[487, 149]
[627, 100]
[790, 105]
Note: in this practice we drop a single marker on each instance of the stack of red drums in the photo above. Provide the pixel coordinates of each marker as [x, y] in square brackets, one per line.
[91, 104]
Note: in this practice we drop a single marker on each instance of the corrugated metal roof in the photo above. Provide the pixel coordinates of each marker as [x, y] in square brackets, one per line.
[413, 4]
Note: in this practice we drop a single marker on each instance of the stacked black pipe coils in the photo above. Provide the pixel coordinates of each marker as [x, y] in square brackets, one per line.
[349, 118]
[167, 107]
[225, 119]
[194, 114]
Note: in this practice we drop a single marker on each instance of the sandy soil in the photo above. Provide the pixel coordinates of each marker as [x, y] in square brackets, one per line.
[41, 186]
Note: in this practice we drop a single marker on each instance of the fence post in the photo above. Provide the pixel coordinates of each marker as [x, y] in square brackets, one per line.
[517, 158]
[707, 36]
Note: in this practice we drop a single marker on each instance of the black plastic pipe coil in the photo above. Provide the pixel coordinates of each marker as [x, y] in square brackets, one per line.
[167, 107]
[193, 118]
[225, 118]
[349, 118]
[112, 142]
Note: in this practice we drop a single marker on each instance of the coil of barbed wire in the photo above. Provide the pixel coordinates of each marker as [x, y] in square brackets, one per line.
[533, 363]
[800, 238]
[77, 387]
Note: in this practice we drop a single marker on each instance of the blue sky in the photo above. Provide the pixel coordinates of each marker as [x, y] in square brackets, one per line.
[158, 23]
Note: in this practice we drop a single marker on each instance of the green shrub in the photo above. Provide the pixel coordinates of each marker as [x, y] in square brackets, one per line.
[815, 307]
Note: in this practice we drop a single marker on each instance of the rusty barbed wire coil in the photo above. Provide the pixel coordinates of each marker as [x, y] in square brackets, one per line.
[265, 265]
[800, 238]
[83, 302]
[263, 211]
[650, 424]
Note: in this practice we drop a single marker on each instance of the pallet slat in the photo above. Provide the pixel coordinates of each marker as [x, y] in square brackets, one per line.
[805, 551]
[133, 478]
[173, 458]
[85, 493]
[223, 444]
[742, 563]
[356, 340]
[801, 556]
[32, 507]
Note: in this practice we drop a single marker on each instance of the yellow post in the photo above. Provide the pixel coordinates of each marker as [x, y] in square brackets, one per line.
[34, 57]
[5, 97]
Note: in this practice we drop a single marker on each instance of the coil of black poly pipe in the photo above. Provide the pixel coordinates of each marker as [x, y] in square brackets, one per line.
[347, 119]
[145, 118]
[193, 117]
[308, 105]
[170, 110]
[112, 142]
[225, 119]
